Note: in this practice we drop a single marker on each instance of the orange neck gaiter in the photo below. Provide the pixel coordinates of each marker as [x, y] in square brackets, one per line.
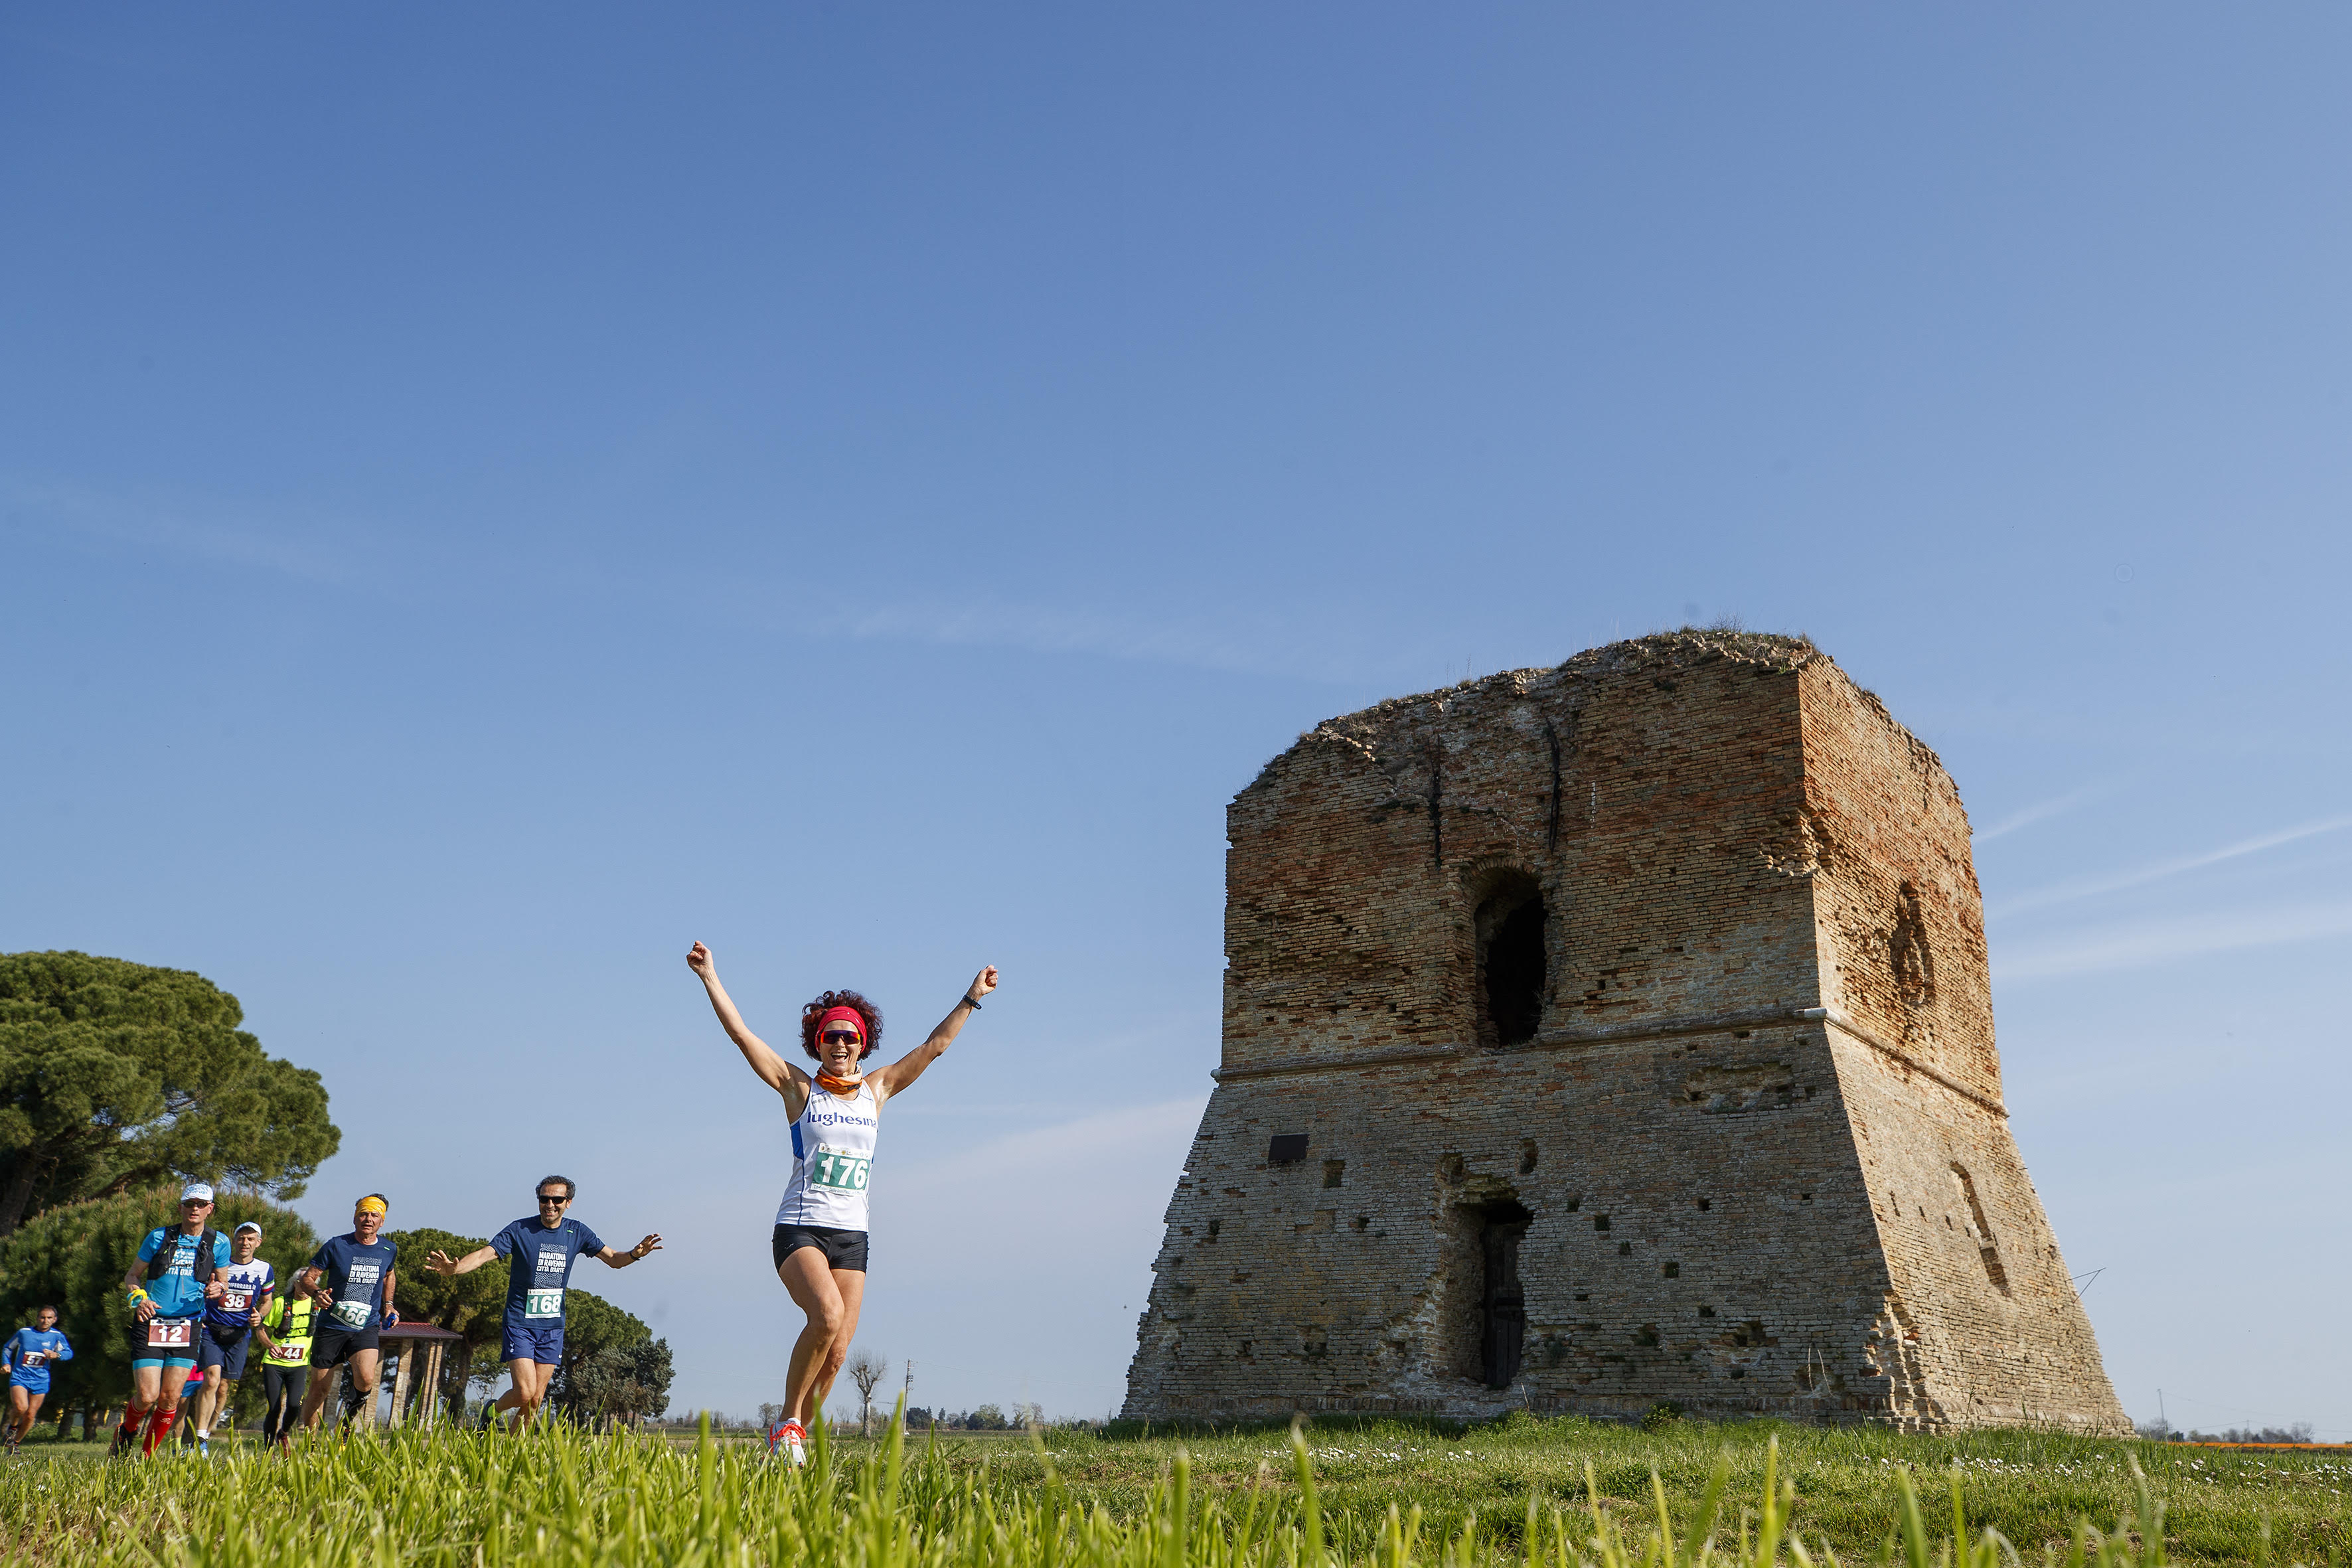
[843, 1086]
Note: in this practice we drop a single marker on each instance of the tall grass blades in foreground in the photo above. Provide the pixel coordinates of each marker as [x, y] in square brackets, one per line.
[556, 1496]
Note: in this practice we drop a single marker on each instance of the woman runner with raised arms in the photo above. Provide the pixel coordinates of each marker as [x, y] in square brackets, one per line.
[819, 1244]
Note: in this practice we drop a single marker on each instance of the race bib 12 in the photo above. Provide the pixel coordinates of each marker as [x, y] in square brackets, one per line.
[170, 1333]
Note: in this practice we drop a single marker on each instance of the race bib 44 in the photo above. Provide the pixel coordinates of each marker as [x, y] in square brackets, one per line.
[842, 1172]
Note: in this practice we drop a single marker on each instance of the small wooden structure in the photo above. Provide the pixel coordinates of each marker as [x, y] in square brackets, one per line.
[420, 1347]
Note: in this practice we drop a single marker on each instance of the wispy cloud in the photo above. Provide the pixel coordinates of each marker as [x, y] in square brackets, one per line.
[1290, 645]
[2092, 886]
[2140, 944]
[302, 551]
[2058, 805]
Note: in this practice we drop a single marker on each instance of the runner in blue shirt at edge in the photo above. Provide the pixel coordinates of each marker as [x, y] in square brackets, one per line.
[169, 1286]
[351, 1279]
[28, 1356]
[542, 1247]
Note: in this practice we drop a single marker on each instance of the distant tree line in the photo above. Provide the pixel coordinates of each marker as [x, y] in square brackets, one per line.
[2301, 1432]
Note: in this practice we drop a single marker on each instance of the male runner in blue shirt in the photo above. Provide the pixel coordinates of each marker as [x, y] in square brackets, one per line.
[542, 1249]
[351, 1279]
[29, 1354]
[169, 1286]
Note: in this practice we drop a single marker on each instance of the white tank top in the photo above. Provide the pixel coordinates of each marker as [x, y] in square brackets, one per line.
[832, 1154]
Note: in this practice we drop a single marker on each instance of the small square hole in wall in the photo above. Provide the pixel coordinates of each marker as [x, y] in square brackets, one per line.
[1332, 1171]
[1706, 1311]
[1671, 1270]
[1704, 1204]
[1600, 1221]
[1287, 1149]
[1804, 1198]
[1584, 1296]
[1363, 1221]
[1624, 1250]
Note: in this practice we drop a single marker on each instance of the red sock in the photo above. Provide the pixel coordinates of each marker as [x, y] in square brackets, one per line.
[159, 1426]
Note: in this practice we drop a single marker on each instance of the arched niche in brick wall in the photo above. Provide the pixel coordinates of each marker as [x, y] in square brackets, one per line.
[1513, 954]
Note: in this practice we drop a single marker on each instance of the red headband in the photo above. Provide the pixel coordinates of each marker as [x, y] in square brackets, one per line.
[849, 1015]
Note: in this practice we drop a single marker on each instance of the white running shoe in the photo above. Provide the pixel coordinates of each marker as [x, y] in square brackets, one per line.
[792, 1438]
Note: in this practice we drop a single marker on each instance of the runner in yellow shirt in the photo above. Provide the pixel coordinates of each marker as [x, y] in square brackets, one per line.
[285, 1335]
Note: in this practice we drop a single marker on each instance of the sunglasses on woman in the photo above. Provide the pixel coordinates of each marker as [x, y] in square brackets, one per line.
[839, 1037]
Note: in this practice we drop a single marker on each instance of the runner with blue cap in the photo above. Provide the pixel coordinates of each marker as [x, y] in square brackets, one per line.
[169, 1286]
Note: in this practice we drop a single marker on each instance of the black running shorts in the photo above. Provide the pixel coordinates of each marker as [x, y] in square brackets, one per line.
[332, 1346]
[842, 1249]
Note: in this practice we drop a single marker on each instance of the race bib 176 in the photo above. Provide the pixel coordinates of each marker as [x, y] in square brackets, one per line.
[842, 1172]
[542, 1304]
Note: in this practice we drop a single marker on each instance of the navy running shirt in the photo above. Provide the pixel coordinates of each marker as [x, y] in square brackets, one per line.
[355, 1275]
[540, 1269]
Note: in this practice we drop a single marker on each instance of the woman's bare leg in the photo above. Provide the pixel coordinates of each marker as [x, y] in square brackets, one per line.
[831, 1299]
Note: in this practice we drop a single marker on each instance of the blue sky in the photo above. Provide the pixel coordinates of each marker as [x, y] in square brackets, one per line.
[486, 499]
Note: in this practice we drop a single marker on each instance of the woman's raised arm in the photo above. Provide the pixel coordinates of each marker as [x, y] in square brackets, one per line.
[774, 1071]
[890, 1081]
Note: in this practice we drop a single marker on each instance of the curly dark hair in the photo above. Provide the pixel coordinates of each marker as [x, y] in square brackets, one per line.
[852, 1000]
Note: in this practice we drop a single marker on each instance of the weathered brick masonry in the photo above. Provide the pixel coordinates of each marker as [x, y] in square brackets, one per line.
[1606, 1034]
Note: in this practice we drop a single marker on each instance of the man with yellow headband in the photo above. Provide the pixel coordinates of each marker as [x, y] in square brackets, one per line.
[349, 1280]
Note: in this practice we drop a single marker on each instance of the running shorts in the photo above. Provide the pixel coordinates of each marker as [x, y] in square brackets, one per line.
[541, 1342]
[844, 1249]
[145, 1350]
[30, 1380]
[225, 1349]
[333, 1346]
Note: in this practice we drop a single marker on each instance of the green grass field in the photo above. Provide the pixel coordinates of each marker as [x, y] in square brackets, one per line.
[1383, 1496]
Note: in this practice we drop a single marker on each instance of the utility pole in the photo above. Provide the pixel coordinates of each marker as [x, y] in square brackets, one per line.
[2162, 1417]
[906, 1389]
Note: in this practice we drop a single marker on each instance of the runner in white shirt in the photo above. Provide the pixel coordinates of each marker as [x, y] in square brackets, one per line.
[819, 1245]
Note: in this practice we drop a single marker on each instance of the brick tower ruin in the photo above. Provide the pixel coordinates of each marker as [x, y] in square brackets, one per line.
[1606, 1034]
